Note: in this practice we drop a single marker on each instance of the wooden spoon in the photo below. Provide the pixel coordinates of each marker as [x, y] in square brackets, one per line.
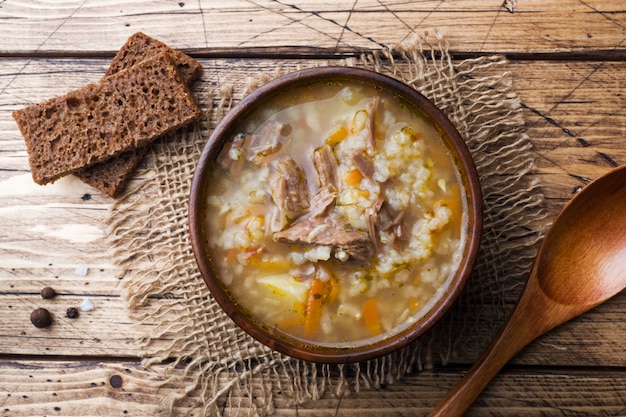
[581, 263]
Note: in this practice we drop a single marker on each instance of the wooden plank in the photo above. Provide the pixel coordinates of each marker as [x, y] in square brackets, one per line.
[53, 229]
[596, 338]
[471, 26]
[575, 124]
[593, 339]
[39, 387]
[105, 331]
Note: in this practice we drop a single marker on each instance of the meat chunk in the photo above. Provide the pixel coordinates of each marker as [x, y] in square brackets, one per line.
[328, 231]
[372, 108]
[372, 219]
[364, 164]
[268, 141]
[322, 202]
[325, 165]
[235, 152]
[289, 187]
[382, 217]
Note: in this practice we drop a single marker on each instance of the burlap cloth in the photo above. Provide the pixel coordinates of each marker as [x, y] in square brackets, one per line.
[192, 346]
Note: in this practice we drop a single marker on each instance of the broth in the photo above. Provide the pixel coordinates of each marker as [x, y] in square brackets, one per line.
[335, 214]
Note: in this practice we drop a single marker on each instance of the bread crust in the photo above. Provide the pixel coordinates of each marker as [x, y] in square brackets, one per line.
[110, 176]
[122, 112]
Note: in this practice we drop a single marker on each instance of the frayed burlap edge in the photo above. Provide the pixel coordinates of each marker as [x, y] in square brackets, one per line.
[192, 346]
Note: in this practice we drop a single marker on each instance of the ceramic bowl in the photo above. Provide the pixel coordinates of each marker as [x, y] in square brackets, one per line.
[282, 341]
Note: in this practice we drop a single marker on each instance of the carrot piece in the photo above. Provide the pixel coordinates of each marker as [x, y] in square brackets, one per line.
[353, 177]
[337, 136]
[370, 317]
[313, 313]
[231, 255]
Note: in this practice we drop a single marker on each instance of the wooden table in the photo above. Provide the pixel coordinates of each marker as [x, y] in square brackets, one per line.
[567, 63]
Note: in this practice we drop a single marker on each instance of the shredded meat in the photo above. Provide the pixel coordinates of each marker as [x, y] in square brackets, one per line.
[322, 202]
[372, 108]
[381, 217]
[289, 187]
[363, 164]
[237, 149]
[268, 141]
[372, 218]
[327, 231]
[325, 166]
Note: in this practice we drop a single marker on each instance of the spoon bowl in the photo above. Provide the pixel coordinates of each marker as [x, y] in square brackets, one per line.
[587, 245]
[581, 263]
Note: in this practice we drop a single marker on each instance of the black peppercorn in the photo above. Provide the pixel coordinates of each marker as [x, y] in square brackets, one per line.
[48, 292]
[41, 318]
[116, 381]
[71, 312]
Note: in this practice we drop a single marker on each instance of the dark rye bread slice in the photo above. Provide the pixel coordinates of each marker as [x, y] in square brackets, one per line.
[126, 110]
[140, 47]
[109, 176]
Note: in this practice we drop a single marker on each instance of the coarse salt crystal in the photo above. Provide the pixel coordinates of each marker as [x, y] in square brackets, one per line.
[87, 305]
[81, 270]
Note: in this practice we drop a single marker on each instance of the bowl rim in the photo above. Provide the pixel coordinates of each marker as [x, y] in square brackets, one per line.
[296, 348]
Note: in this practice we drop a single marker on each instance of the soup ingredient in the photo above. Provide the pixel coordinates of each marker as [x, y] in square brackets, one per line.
[313, 313]
[81, 270]
[268, 141]
[322, 202]
[370, 317]
[353, 245]
[41, 318]
[289, 187]
[116, 381]
[326, 165]
[72, 312]
[87, 305]
[48, 292]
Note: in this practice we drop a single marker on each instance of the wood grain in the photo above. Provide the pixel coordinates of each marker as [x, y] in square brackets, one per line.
[471, 26]
[58, 227]
[567, 65]
[95, 387]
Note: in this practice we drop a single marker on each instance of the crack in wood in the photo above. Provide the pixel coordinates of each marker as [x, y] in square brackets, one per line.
[343, 29]
[395, 14]
[491, 26]
[612, 162]
[430, 12]
[318, 14]
[580, 140]
[551, 121]
[40, 46]
[291, 19]
[584, 180]
[204, 28]
[603, 14]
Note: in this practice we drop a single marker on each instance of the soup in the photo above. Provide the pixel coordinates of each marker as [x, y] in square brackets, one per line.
[335, 214]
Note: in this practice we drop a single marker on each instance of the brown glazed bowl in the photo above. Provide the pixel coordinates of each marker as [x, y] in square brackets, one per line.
[280, 341]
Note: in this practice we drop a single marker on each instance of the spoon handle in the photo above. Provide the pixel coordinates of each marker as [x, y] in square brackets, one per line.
[532, 317]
